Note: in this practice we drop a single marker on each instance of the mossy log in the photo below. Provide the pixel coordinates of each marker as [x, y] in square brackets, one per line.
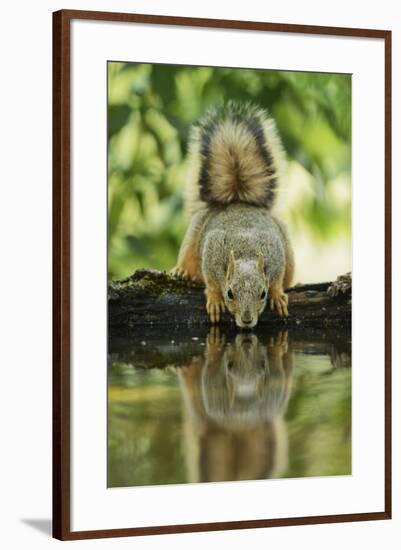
[153, 298]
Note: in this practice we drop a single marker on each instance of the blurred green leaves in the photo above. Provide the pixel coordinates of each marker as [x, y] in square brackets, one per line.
[150, 109]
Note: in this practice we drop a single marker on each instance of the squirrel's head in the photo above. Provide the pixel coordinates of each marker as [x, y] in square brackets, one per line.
[246, 288]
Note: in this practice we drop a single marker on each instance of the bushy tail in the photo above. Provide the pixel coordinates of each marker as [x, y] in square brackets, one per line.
[235, 154]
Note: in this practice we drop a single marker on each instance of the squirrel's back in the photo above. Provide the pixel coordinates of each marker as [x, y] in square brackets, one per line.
[235, 156]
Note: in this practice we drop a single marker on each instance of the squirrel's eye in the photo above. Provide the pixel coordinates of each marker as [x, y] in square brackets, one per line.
[230, 365]
[230, 294]
[263, 295]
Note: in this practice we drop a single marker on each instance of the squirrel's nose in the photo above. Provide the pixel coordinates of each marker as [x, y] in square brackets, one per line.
[246, 318]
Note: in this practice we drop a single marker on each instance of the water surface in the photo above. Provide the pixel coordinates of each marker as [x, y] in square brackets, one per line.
[228, 406]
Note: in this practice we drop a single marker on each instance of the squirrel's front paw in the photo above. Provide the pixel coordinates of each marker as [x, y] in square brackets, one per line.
[279, 302]
[214, 304]
[181, 273]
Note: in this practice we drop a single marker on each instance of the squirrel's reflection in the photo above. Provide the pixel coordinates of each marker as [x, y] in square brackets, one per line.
[234, 400]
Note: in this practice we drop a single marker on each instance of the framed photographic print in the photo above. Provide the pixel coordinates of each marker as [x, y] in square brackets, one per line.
[222, 264]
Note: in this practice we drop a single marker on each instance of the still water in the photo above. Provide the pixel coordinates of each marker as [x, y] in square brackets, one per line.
[223, 406]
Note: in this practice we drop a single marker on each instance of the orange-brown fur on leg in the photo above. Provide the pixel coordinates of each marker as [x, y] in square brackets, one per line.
[289, 264]
[289, 254]
[214, 300]
[188, 263]
[278, 299]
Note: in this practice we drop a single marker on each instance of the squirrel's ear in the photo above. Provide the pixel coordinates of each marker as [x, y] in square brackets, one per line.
[231, 265]
[261, 263]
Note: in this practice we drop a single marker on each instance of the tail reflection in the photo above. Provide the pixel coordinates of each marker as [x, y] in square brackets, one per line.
[234, 401]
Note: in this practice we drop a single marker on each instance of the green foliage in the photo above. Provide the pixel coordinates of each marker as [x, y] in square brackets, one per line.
[150, 109]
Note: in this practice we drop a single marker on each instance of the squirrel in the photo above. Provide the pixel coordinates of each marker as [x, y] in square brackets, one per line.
[233, 244]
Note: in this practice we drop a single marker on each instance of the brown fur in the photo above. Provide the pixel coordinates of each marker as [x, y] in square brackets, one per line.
[236, 168]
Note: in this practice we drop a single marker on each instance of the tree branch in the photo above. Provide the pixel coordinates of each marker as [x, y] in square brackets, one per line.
[153, 298]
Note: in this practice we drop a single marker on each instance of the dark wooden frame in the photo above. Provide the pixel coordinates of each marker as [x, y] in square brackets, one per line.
[61, 271]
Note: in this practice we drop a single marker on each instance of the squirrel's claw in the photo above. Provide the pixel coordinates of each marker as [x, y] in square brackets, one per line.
[279, 302]
[181, 273]
[213, 307]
